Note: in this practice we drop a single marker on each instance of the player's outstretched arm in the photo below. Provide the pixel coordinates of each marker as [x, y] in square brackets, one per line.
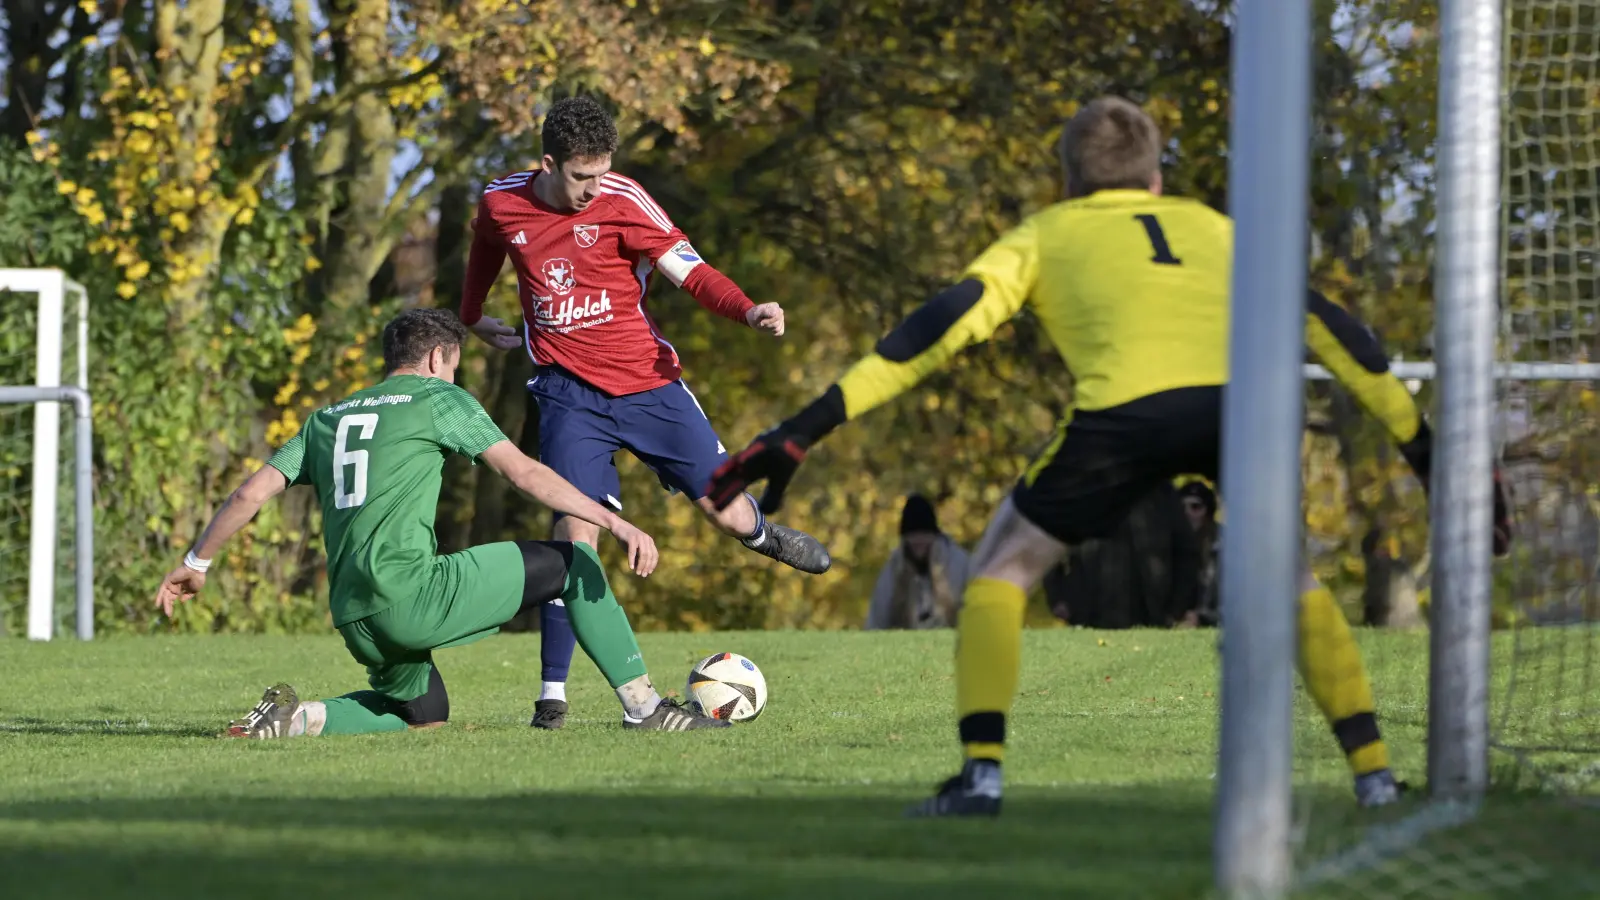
[484, 261]
[992, 290]
[189, 577]
[543, 484]
[1350, 352]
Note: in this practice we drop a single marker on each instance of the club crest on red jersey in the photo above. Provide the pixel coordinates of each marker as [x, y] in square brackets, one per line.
[558, 275]
[586, 234]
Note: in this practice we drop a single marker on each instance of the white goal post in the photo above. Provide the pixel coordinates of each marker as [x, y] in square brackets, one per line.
[47, 395]
[1263, 415]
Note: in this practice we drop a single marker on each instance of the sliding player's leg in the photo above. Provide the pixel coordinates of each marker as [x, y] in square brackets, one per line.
[471, 594]
[281, 713]
[1330, 663]
[669, 432]
[578, 439]
[605, 635]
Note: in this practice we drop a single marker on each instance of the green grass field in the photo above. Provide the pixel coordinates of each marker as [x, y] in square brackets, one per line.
[115, 786]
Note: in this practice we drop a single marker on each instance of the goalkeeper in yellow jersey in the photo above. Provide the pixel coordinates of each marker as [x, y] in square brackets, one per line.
[1132, 289]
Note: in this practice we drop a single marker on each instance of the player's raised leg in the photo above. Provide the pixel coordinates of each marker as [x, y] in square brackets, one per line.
[1330, 663]
[667, 429]
[1011, 560]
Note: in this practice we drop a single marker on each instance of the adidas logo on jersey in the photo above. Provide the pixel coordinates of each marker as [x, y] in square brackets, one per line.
[520, 238]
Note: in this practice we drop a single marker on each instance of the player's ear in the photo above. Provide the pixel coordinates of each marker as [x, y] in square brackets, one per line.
[1155, 183]
[549, 164]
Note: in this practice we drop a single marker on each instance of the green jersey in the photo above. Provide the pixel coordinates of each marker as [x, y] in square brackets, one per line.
[376, 460]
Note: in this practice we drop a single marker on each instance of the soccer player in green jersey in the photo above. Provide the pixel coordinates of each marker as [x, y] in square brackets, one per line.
[375, 460]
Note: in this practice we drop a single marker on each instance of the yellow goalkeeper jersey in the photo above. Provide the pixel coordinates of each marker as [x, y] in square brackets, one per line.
[1132, 289]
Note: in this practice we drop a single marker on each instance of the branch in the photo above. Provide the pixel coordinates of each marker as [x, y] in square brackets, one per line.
[322, 110]
[402, 207]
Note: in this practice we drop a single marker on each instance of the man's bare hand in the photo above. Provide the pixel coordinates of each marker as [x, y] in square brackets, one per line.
[642, 553]
[766, 317]
[181, 583]
[496, 333]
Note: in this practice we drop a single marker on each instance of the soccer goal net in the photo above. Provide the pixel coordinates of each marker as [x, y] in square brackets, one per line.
[1486, 675]
[46, 533]
[1543, 678]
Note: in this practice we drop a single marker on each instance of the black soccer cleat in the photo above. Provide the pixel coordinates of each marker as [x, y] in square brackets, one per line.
[270, 718]
[974, 792]
[549, 714]
[792, 548]
[670, 715]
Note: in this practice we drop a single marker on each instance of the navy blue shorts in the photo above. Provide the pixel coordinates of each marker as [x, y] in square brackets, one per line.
[581, 428]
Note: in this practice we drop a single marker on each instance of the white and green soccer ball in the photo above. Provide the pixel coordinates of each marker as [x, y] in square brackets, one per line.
[727, 686]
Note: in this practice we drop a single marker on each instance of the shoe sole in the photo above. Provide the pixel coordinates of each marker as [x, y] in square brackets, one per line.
[270, 696]
[794, 535]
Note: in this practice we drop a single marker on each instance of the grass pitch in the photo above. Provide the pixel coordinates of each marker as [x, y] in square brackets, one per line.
[112, 783]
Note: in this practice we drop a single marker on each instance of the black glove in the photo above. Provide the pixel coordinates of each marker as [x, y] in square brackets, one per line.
[1419, 453]
[773, 456]
[1502, 516]
[776, 454]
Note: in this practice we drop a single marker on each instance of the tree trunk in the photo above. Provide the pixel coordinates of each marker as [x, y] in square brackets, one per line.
[360, 234]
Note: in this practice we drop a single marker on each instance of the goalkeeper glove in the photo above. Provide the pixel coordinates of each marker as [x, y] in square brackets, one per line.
[1419, 453]
[1502, 516]
[776, 453]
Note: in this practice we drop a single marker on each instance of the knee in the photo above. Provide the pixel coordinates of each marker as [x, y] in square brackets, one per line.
[432, 708]
[586, 578]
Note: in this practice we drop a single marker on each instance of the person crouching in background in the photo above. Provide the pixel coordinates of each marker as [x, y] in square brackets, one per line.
[921, 584]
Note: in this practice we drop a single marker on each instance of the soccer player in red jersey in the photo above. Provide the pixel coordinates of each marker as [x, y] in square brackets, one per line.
[584, 242]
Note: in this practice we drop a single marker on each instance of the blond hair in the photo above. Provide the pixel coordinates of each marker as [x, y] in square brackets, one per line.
[1109, 144]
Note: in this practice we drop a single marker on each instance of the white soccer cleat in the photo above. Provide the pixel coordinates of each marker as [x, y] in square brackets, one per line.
[270, 718]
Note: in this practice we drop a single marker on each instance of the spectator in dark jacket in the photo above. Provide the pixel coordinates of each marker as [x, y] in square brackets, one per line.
[1146, 573]
[1200, 507]
[921, 584]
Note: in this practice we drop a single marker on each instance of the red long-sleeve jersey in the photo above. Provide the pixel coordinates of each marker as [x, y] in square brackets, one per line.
[582, 278]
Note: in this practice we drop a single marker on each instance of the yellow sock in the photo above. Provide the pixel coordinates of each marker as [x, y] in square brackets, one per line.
[1331, 665]
[988, 658]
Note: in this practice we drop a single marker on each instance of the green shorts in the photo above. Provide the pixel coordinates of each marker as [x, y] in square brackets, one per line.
[469, 595]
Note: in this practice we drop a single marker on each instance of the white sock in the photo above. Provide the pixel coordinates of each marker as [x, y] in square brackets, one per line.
[639, 699]
[309, 719]
[553, 690]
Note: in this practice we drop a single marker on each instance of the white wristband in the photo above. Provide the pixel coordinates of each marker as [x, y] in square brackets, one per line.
[196, 563]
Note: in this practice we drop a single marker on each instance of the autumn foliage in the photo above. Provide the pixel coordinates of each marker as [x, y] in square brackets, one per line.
[249, 189]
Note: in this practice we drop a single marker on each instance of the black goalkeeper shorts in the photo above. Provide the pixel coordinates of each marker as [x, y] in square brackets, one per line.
[1101, 462]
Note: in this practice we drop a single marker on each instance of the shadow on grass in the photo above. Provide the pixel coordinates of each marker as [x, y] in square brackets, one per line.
[105, 727]
[1143, 843]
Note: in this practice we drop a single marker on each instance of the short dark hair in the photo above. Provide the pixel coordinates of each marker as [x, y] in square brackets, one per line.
[412, 335]
[578, 128]
[1110, 144]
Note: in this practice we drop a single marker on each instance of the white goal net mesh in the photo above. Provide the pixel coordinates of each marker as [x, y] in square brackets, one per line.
[1545, 678]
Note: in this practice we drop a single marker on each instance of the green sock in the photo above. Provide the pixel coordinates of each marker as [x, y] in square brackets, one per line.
[600, 624]
[363, 712]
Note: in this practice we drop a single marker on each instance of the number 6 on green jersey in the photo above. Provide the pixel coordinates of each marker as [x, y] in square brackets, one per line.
[342, 457]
